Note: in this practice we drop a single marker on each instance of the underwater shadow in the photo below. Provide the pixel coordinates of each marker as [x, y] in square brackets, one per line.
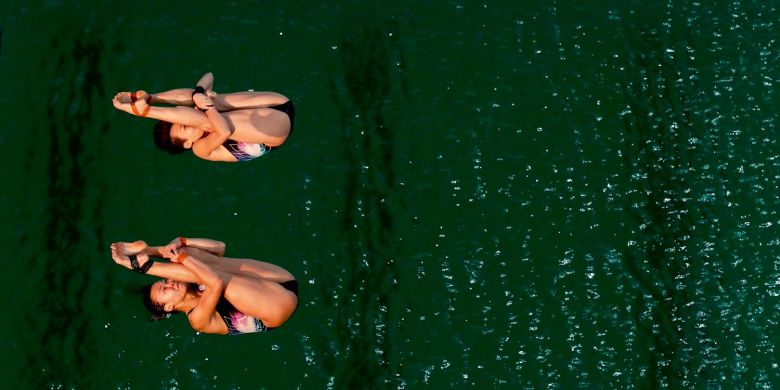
[671, 156]
[362, 354]
[67, 142]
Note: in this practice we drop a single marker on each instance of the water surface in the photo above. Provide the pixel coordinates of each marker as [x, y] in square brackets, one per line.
[535, 195]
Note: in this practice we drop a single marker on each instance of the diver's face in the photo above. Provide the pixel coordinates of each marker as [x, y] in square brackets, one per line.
[168, 293]
[185, 135]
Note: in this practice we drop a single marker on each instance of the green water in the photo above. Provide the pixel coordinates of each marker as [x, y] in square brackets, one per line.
[539, 194]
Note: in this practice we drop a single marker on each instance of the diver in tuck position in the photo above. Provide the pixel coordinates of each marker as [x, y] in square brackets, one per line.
[228, 127]
[218, 294]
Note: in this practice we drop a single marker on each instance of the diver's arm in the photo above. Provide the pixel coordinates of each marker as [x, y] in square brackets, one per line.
[190, 258]
[173, 271]
[168, 270]
[212, 246]
[220, 132]
[202, 316]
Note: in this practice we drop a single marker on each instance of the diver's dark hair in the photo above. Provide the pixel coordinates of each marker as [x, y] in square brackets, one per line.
[162, 138]
[157, 310]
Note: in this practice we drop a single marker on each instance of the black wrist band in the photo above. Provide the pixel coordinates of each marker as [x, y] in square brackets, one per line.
[198, 89]
[137, 267]
[145, 268]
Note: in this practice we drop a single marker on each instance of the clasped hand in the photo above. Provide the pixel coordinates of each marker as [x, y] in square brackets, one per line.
[204, 101]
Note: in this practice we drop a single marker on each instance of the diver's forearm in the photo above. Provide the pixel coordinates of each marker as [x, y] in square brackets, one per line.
[172, 271]
[208, 245]
[202, 271]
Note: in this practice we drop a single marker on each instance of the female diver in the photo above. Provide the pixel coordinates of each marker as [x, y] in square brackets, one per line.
[222, 127]
[218, 294]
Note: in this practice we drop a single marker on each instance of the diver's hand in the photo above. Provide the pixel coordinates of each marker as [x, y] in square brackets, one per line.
[203, 101]
[172, 249]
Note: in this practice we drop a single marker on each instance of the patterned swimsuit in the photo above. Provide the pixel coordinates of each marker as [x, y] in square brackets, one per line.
[240, 323]
[244, 151]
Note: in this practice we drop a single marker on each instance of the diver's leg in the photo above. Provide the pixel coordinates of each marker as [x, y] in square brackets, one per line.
[222, 101]
[261, 298]
[178, 97]
[253, 269]
[240, 100]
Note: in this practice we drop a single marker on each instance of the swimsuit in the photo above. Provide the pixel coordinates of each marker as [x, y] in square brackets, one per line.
[287, 108]
[244, 151]
[240, 323]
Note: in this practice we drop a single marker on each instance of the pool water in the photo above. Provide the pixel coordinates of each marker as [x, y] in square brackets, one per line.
[499, 194]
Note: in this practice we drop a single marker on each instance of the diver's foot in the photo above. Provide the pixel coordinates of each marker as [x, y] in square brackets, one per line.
[129, 248]
[123, 97]
[122, 106]
[119, 258]
[137, 103]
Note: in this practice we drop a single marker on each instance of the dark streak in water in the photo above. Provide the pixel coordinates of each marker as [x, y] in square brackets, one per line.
[670, 173]
[366, 303]
[62, 358]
